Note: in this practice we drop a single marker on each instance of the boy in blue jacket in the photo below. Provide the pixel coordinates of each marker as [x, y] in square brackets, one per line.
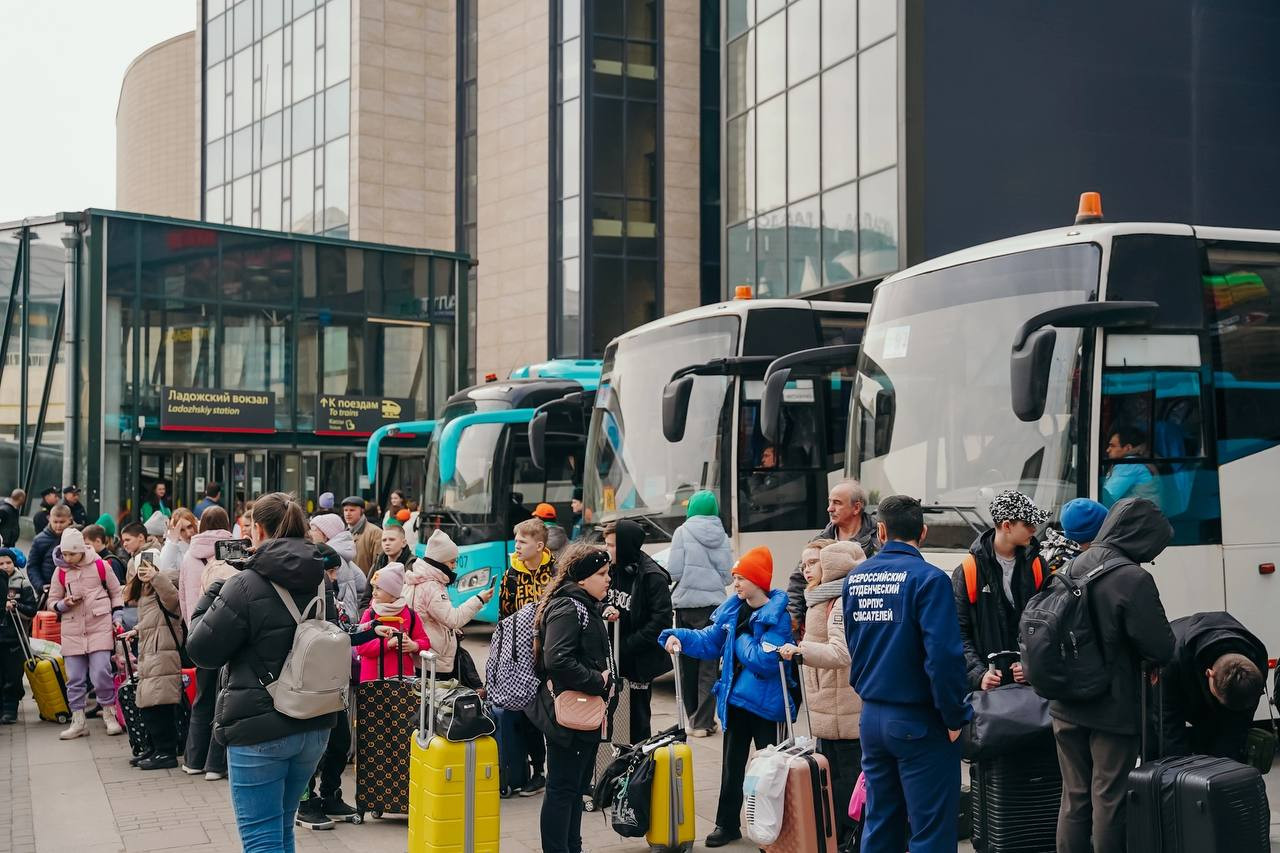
[749, 697]
[908, 666]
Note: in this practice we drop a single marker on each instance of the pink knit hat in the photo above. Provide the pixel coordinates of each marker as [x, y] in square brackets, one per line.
[329, 525]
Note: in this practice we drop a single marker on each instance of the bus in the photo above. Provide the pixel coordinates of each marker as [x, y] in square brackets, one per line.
[678, 410]
[1096, 360]
[481, 475]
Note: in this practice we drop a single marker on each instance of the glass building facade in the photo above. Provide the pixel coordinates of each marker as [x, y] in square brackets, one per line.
[811, 147]
[277, 113]
[290, 322]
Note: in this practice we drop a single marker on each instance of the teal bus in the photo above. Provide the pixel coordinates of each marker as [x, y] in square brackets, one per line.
[482, 476]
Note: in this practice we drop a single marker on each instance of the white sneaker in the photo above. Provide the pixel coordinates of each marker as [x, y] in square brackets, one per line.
[76, 729]
[190, 771]
[214, 777]
[109, 720]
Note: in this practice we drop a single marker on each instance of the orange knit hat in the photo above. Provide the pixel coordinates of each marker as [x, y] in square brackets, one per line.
[756, 566]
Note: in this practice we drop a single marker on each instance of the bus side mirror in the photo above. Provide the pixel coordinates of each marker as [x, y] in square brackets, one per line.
[538, 440]
[1029, 373]
[771, 404]
[675, 408]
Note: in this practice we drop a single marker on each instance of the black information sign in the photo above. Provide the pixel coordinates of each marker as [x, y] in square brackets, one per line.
[216, 410]
[354, 416]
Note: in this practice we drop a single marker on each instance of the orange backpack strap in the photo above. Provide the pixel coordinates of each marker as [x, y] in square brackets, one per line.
[1037, 571]
[970, 565]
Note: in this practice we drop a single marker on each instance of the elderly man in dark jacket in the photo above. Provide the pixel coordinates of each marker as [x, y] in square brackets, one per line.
[1211, 687]
[850, 521]
[640, 595]
[1098, 739]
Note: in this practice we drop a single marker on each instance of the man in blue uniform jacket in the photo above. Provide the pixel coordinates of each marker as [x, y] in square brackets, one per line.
[908, 667]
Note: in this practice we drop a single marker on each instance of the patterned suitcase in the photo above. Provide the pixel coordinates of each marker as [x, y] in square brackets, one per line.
[48, 680]
[618, 733]
[131, 717]
[454, 805]
[809, 816]
[386, 713]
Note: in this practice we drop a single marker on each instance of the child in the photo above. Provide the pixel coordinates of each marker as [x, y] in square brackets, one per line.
[19, 598]
[834, 708]
[531, 568]
[159, 660]
[97, 538]
[428, 594]
[389, 605]
[87, 595]
[749, 694]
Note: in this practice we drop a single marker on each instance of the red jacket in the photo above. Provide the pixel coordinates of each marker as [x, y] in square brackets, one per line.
[376, 648]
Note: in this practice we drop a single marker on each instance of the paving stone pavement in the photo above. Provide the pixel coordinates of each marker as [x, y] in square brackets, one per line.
[119, 809]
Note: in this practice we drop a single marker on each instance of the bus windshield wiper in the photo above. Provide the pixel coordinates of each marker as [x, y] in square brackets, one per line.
[648, 518]
[963, 511]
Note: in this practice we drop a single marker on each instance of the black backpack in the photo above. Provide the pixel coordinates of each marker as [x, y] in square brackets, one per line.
[1062, 654]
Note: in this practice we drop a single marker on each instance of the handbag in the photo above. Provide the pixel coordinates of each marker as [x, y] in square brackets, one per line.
[579, 711]
[1005, 720]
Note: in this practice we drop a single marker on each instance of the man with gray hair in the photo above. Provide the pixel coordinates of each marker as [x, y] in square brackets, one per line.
[846, 507]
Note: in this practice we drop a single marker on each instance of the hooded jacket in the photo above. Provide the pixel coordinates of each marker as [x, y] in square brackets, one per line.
[352, 583]
[866, 537]
[1196, 723]
[641, 590]
[748, 674]
[835, 711]
[427, 591]
[991, 625]
[1128, 614]
[19, 589]
[700, 562]
[520, 586]
[159, 661]
[242, 624]
[570, 658]
[86, 627]
[192, 569]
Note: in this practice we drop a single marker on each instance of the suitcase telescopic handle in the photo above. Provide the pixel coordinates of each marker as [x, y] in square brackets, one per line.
[427, 721]
[23, 642]
[680, 712]
[786, 700]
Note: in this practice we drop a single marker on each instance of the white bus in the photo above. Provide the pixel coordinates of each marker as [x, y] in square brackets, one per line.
[678, 410]
[1097, 360]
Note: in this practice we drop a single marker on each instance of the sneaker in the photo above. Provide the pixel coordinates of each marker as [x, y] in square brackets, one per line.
[190, 771]
[719, 837]
[701, 732]
[159, 762]
[311, 815]
[137, 759]
[213, 776]
[76, 729]
[534, 786]
[8, 719]
[335, 808]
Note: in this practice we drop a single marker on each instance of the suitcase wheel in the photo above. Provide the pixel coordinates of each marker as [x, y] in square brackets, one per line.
[63, 719]
[588, 804]
[377, 814]
[357, 818]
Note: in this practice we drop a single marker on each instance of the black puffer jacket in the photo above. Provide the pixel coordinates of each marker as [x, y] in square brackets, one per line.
[1199, 640]
[641, 590]
[1128, 612]
[571, 657]
[867, 536]
[242, 623]
[991, 625]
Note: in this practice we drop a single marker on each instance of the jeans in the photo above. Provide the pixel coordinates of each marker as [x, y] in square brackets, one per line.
[161, 722]
[333, 762]
[512, 753]
[740, 730]
[698, 676]
[568, 773]
[1095, 774]
[267, 781]
[97, 666]
[203, 752]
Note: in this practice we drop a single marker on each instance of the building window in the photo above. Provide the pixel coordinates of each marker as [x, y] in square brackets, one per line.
[277, 114]
[566, 263]
[810, 143]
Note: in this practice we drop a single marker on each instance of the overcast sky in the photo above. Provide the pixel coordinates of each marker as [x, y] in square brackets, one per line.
[61, 65]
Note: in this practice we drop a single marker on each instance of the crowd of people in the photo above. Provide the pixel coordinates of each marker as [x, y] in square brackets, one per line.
[892, 648]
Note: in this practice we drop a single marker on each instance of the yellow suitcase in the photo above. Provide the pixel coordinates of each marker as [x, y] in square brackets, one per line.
[453, 787]
[671, 818]
[48, 680]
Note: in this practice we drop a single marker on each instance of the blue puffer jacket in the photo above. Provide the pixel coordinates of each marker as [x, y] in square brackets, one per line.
[758, 688]
[700, 562]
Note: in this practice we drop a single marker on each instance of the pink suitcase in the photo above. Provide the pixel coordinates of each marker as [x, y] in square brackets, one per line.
[808, 812]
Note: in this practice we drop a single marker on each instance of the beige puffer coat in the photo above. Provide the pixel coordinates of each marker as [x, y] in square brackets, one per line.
[159, 663]
[426, 591]
[834, 707]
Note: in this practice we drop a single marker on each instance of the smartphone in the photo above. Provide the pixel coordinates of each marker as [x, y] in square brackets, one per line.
[231, 550]
[150, 557]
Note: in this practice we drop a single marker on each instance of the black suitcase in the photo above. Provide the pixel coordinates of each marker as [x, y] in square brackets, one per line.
[127, 697]
[386, 717]
[1014, 801]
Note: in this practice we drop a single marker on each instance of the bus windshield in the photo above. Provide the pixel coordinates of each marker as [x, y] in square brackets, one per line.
[637, 472]
[470, 492]
[931, 414]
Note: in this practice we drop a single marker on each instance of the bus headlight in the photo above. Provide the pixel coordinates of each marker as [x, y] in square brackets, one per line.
[478, 579]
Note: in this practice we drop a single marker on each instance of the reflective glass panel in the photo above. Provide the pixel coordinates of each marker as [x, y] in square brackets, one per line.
[740, 14]
[803, 155]
[771, 254]
[802, 38]
[838, 26]
[876, 19]
[878, 223]
[213, 84]
[336, 190]
[740, 168]
[337, 41]
[212, 165]
[304, 68]
[740, 69]
[771, 155]
[304, 122]
[877, 107]
[272, 72]
[242, 92]
[840, 235]
[771, 57]
[215, 39]
[804, 246]
[840, 124]
[742, 257]
[337, 110]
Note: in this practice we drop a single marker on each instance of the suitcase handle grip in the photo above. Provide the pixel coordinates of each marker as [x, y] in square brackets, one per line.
[427, 721]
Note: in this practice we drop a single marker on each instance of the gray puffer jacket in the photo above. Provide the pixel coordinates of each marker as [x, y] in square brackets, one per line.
[351, 581]
[700, 563]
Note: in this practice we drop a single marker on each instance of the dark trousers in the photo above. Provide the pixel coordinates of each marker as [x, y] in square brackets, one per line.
[698, 676]
[913, 776]
[513, 756]
[203, 752]
[161, 722]
[10, 678]
[845, 758]
[641, 714]
[1095, 772]
[568, 773]
[740, 731]
[333, 762]
[535, 743]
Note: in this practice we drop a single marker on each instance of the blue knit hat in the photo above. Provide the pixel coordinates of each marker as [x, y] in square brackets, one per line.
[9, 552]
[1082, 518]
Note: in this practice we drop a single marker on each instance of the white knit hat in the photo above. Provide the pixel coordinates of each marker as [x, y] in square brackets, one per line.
[157, 524]
[441, 548]
[72, 541]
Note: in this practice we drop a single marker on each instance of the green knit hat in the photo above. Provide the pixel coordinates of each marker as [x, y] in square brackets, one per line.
[703, 503]
[107, 523]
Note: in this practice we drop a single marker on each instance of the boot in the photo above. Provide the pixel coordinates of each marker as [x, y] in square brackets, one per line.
[76, 729]
[109, 720]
